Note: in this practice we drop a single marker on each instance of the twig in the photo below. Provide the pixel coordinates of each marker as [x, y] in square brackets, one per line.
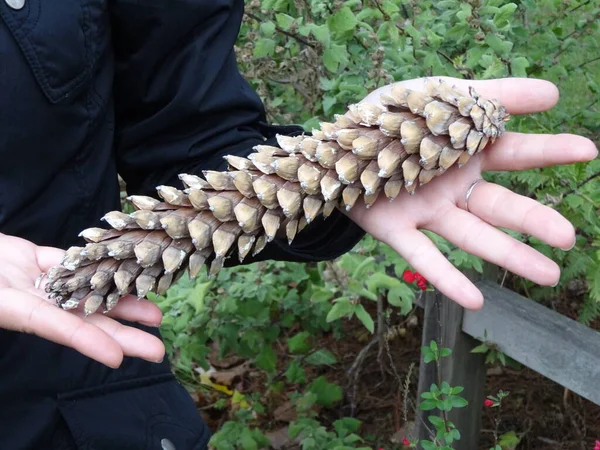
[583, 183]
[575, 8]
[578, 114]
[504, 278]
[438, 361]
[588, 62]
[380, 335]
[405, 392]
[282, 31]
[354, 371]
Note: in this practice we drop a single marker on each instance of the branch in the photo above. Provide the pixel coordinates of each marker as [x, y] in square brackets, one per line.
[587, 62]
[282, 31]
[583, 183]
[561, 123]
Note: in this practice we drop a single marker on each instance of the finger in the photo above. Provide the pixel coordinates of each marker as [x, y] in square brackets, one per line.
[424, 256]
[503, 208]
[483, 240]
[133, 310]
[518, 95]
[520, 151]
[48, 257]
[133, 341]
[26, 313]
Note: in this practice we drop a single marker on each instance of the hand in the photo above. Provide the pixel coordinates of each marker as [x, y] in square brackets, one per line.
[27, 309]
[440, 206]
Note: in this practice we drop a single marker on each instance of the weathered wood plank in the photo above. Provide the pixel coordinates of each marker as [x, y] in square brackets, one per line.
[549, 343]
[443, 324]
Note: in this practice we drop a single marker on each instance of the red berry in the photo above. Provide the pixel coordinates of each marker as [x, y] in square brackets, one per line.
[420, 277]
[406, 442]
[408, 276]
[488, 403]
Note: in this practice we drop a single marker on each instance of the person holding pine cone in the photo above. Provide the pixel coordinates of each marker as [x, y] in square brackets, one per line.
[151, 91]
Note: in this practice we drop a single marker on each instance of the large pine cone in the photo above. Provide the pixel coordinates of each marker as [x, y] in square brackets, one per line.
[415, 137]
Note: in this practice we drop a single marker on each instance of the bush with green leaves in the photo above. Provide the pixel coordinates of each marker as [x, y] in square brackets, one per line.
[310, 59]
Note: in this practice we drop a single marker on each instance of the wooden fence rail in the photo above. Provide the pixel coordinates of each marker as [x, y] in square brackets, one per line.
[547, 342]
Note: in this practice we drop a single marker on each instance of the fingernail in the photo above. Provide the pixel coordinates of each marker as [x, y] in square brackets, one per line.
[556, 284]
[571, 247]
[160, 361]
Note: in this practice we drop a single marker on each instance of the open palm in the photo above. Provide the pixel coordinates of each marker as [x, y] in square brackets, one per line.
[440, 206]
[27, 309]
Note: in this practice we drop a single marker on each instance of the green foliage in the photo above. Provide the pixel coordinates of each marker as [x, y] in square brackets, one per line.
[443, 398]
[329, 54]
[310, 59]
[238, 435]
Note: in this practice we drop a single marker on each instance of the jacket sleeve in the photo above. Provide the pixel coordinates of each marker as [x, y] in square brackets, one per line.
[181, 105]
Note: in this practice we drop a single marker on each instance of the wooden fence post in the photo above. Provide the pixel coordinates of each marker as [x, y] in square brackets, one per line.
[443, 324]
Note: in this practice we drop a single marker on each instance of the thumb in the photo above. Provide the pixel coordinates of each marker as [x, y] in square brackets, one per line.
[48, 257]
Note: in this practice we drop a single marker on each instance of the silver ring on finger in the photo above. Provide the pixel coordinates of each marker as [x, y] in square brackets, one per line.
[39, 279]
[470, 192]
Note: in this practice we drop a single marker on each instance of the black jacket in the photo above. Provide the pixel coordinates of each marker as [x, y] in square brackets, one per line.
[89, 89]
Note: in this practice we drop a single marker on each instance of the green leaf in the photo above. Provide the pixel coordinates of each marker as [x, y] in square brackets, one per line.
[428, 356]
[266, 359]
[433, 346]
[445, 405]
[501, 47]
[361, 270]
[504, 15]
[246, 440]
[509, 440]
[445, 352]
[518, 66]
[295, 373]
[342, 21]
[445, 388]
[481, 348]
[428, 445]
[428, 405]
[321, 34]
[436, 421]
[328, 103]
[341, 308]
[380, 280]
[465, 12]
[327, 393]
[264, 47]
[321, 357]
[348, 424]
[502, 358]
[455, 434]
[284, 21]
[267, 29]
[457, 402]
[299, 343]
[365, 317]
[402, 297]
[320, 294]
[199, 294]
[389, 7]
[335, 57]
[456, 390]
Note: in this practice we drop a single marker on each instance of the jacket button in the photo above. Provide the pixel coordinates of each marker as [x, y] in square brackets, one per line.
[167, 445]
[15, 4]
